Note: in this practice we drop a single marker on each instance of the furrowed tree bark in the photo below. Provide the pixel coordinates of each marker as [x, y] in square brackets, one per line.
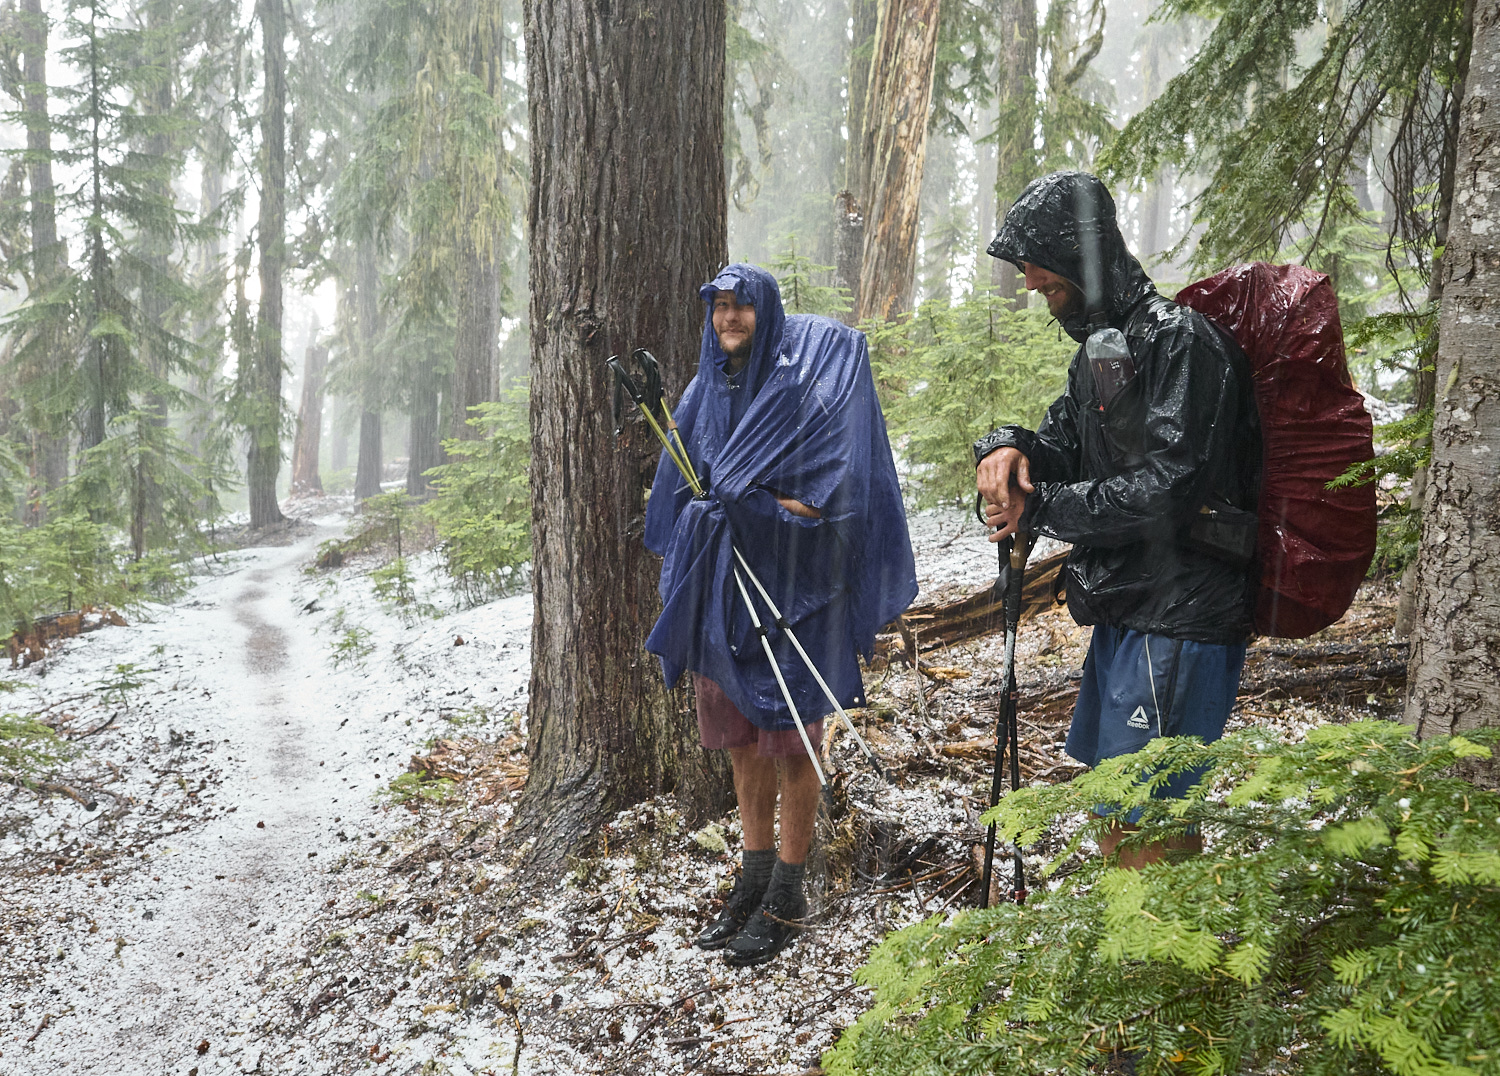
[1424, 387]
[628, 218]
[1455, 655]
[49, 370]
[895, 148]
[263, 462]
[305, 478]
[1015, 155]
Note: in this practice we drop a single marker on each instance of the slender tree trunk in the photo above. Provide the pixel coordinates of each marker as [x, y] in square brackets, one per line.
[1015, 155]
[370, 461]
[1156, 215]
[155, 250]
[986, 177]
[305, 478]
[264, 461]
[475, 336]
[369, 467]
[895, 149]
[1455, 656]
[50, 372]
[423, 451]
[624, 229]
[339, 430]
[210, 198]
[849, 213]
[97, 361]
[865, 17]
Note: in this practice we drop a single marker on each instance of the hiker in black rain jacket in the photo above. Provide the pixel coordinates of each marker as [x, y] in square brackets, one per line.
[1125, 483]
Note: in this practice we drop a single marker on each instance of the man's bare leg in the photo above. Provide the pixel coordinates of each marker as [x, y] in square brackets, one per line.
[1155, 852]
[755, 788]
[784, 907]
[799, 807]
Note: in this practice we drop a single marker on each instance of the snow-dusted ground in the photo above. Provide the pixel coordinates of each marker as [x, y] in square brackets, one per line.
[278, 706]
[245, 897]
[141, 950]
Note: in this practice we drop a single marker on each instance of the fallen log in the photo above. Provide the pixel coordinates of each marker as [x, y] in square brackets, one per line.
[29, 642]
[936, 625]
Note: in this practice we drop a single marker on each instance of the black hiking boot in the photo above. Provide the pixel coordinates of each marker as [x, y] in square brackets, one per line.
[739, 906]
[770, 930]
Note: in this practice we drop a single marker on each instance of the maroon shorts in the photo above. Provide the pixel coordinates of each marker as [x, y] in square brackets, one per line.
[721, 725]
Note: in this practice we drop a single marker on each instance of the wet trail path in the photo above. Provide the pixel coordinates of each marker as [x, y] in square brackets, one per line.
[170, 982]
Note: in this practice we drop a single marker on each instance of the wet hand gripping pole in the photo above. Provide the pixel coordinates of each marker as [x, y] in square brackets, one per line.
[644, 397]
[1007, 730]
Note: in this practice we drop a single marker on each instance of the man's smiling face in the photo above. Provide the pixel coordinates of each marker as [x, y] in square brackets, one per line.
[1061, 295]
[734, 323]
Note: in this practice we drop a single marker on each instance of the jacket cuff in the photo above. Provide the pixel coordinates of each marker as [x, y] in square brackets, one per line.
[1005, 437]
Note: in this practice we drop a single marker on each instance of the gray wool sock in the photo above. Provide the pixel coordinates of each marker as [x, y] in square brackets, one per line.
[757, 866]
[787, 877]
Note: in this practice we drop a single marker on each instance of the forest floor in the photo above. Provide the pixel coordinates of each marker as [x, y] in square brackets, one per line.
[279, 850]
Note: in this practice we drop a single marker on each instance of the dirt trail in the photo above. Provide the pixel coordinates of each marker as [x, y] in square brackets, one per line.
[183, 939]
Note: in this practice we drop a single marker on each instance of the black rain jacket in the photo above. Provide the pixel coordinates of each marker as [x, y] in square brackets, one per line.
[1124, 485]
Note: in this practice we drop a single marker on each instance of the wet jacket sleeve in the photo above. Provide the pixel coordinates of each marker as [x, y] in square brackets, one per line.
[1053, 451]
[1187, 402]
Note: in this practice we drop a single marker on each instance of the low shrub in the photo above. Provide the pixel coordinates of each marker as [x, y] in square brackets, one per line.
[1344, 919]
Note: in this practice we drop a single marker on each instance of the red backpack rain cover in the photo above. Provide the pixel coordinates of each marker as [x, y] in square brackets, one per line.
[1315, 544]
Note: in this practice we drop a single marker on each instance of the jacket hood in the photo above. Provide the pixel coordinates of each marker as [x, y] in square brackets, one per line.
[1065, 223]
[753, 285]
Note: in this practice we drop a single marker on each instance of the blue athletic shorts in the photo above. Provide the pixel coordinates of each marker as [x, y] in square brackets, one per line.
[1137, 687]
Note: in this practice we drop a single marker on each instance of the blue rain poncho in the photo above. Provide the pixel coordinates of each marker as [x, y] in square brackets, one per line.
[799, 420]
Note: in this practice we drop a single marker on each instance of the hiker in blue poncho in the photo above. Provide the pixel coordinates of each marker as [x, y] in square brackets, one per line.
[783, 425]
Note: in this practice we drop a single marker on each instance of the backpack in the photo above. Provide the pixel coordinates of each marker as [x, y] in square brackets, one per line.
[1314, 544]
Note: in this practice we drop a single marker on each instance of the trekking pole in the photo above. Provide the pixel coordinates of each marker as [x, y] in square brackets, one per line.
[786, 628]
[1007, 730]
[685, 466]
[781, 683]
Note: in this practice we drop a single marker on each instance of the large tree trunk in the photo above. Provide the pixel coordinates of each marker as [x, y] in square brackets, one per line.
[49, 368]
[1424, 388]
[1015, 153]
[264, 459]
[305, 478]
[1455, 658]
[894, 150]
[624, 229]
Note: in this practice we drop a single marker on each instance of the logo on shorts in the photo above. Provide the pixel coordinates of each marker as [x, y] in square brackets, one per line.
[1139, 720]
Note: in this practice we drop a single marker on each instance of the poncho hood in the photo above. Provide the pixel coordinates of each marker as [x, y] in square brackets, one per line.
[1065, 223]
[800, 420]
